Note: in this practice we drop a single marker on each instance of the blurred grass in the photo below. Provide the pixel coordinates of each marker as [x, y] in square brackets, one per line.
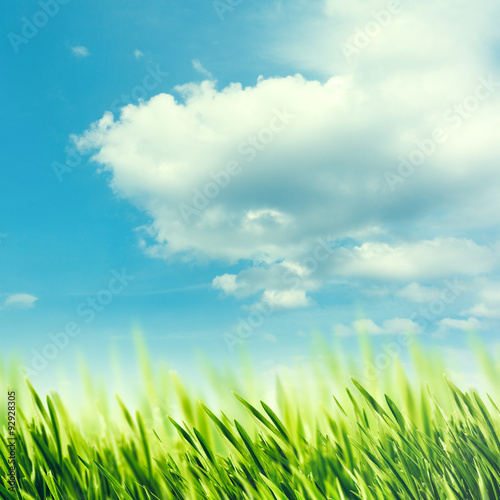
[328, 429]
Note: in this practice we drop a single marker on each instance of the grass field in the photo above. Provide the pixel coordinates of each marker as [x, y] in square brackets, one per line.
[319, 434]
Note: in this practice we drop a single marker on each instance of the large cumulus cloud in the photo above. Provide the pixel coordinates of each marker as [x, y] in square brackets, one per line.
[263, 173]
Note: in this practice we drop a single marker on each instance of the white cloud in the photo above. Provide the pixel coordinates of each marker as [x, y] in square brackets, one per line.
[424, 259]
[80, 51]
[264, 280]
[394, 326]
[482, 311]
[488, 305]
[286, 299]
[415, 33]
[20, 301]
[227, 283]
[162, 152]
[291, 277]
[470, 324]
[200, 69]
[138, 54]
[257, 174]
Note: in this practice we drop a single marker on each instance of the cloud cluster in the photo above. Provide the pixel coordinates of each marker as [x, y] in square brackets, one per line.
[259, 174]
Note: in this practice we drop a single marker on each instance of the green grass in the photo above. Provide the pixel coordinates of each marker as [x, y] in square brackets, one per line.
[321, 435]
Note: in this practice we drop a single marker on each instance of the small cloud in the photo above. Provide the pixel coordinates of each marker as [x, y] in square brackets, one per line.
[138, 54]
[228, 283]
[394, 326]
[200, 69]
[21, 301]
[470, 324]
[286, 299]
[482, 311]
[80, 51]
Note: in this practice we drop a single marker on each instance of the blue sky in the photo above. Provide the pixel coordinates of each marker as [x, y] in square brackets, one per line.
[262, 170]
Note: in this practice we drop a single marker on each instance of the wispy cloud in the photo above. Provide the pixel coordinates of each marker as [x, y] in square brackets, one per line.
[448, 325]
[394, 326]
[80, 51]
[20, 301]
[201, 69]
[138, 54]
[461, 324]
